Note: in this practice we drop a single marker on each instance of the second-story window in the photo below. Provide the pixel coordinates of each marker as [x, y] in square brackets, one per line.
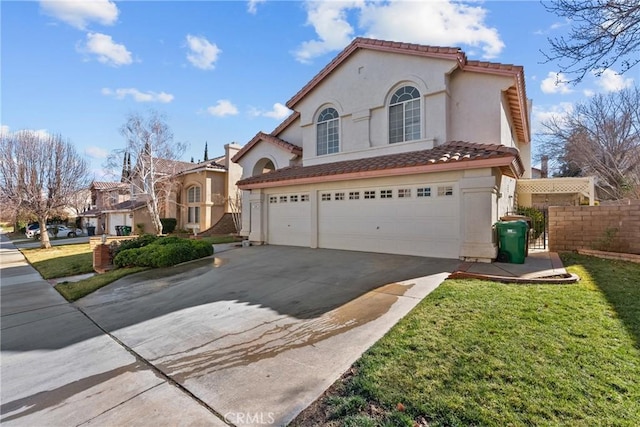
[404, 115]
[327, 132]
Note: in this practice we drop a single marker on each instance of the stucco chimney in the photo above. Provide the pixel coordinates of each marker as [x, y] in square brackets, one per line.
[544, 167]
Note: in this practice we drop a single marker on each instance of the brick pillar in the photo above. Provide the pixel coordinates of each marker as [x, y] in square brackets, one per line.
[101, 259]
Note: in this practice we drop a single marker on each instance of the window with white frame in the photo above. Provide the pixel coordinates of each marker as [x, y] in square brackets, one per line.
[338, 196]
[386, 194]
[273, 199]
[326, 197]
[404, 193]
[328, 132]
[293, 198]
[283, 199]
[423, 192]
[404, 115]
[193, 204]
[354, 195]
[445, 190]
[304, 198]
[370, 194]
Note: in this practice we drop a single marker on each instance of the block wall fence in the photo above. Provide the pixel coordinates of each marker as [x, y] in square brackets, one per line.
[613, 228]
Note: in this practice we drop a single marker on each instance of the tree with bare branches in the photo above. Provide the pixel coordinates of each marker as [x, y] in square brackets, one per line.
[603, 33]
[40, 174]
[153, 156]
[601, 138]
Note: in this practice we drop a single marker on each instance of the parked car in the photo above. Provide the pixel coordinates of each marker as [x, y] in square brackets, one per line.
[31, 230]
[63, 231]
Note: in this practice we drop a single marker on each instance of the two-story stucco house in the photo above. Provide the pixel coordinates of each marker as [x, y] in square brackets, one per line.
[393, 148]
[198, 195]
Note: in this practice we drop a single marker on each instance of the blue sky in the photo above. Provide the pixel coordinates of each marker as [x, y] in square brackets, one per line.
[222, 70]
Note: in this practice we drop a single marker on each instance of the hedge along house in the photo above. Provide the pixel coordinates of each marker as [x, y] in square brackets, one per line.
[197, 195]
[393, 148]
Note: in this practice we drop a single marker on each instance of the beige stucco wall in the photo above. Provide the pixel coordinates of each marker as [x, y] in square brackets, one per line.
[213, 187]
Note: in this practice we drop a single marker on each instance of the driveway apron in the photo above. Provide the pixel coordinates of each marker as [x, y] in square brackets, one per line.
[258, 333]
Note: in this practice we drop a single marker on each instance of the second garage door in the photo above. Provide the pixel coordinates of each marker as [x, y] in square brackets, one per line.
[412, 220]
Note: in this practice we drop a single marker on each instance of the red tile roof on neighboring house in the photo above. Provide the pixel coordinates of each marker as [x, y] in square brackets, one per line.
[101, 185]
[454, 155]
[261, 136]
[128, 205]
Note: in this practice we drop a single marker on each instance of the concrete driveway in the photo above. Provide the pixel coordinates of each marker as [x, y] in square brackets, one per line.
[257, 334]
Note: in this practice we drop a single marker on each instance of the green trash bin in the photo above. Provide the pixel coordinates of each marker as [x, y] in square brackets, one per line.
[512, 240]
[126, 230]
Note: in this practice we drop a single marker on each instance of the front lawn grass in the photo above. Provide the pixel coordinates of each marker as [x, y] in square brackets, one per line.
[481, 353]
[61, 261]
[75, 290]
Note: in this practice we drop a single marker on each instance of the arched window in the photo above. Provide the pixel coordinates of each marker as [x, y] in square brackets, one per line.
[193, 207]
[404, 115]
[327, 132]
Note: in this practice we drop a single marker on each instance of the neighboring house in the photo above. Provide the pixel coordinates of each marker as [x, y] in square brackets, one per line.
[197, 196]
[104, 196]
[393, 148]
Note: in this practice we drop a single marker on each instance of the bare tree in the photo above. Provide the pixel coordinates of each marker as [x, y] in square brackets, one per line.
[153, 156]
[601, 138]
[603, 33]
[40, 174]
[235, 205]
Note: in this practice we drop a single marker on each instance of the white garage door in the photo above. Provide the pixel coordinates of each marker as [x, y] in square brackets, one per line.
[413, 220]
[289, 219]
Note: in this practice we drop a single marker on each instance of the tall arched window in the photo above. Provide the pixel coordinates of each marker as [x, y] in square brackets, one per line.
[404, 115]
[327, 132]
[193, 204]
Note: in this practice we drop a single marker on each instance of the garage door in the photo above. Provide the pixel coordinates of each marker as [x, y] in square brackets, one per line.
[412, 220]
[289, 220]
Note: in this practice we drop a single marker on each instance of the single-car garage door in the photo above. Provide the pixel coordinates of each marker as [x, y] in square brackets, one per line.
[289, 219]
[413, 220]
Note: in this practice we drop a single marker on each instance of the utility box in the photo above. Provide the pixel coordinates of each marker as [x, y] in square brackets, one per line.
[512, 240]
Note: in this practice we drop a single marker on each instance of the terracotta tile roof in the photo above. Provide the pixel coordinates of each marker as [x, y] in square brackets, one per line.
[261, 136]
[282, 126]
[517, 97]
[449, 156]
[170, 167]
[101, 185]
[128, 205]
[206, 165]
[453, 53]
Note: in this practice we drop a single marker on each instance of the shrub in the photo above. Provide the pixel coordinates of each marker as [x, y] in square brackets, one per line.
[138, 242]
[168, 224]
[162, 252]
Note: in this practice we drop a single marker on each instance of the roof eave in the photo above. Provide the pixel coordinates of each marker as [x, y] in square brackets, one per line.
[509, 165]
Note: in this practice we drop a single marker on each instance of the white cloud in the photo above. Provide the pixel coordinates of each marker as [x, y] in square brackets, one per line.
[540, 115]
[223, 108]
[555, 83]
[138, 96]
[5, 130]
[252, 6]
[611, 81]
[107, 51]
[80, 13]
[96, 152]
[588, 93]
[202, 53]
[441, 23]
[279, 112]
[329, 20]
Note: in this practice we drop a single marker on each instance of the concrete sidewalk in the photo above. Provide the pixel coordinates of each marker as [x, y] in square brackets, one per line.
[59, 368]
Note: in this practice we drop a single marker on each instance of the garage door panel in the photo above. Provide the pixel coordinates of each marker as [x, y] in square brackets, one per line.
[427, 226]
[289, 222]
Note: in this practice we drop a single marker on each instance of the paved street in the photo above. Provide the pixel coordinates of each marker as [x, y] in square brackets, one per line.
[250, 337]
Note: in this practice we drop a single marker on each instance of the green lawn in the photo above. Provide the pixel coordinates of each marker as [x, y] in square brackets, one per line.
[482, 353]
[61, 261]
[76, 290]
